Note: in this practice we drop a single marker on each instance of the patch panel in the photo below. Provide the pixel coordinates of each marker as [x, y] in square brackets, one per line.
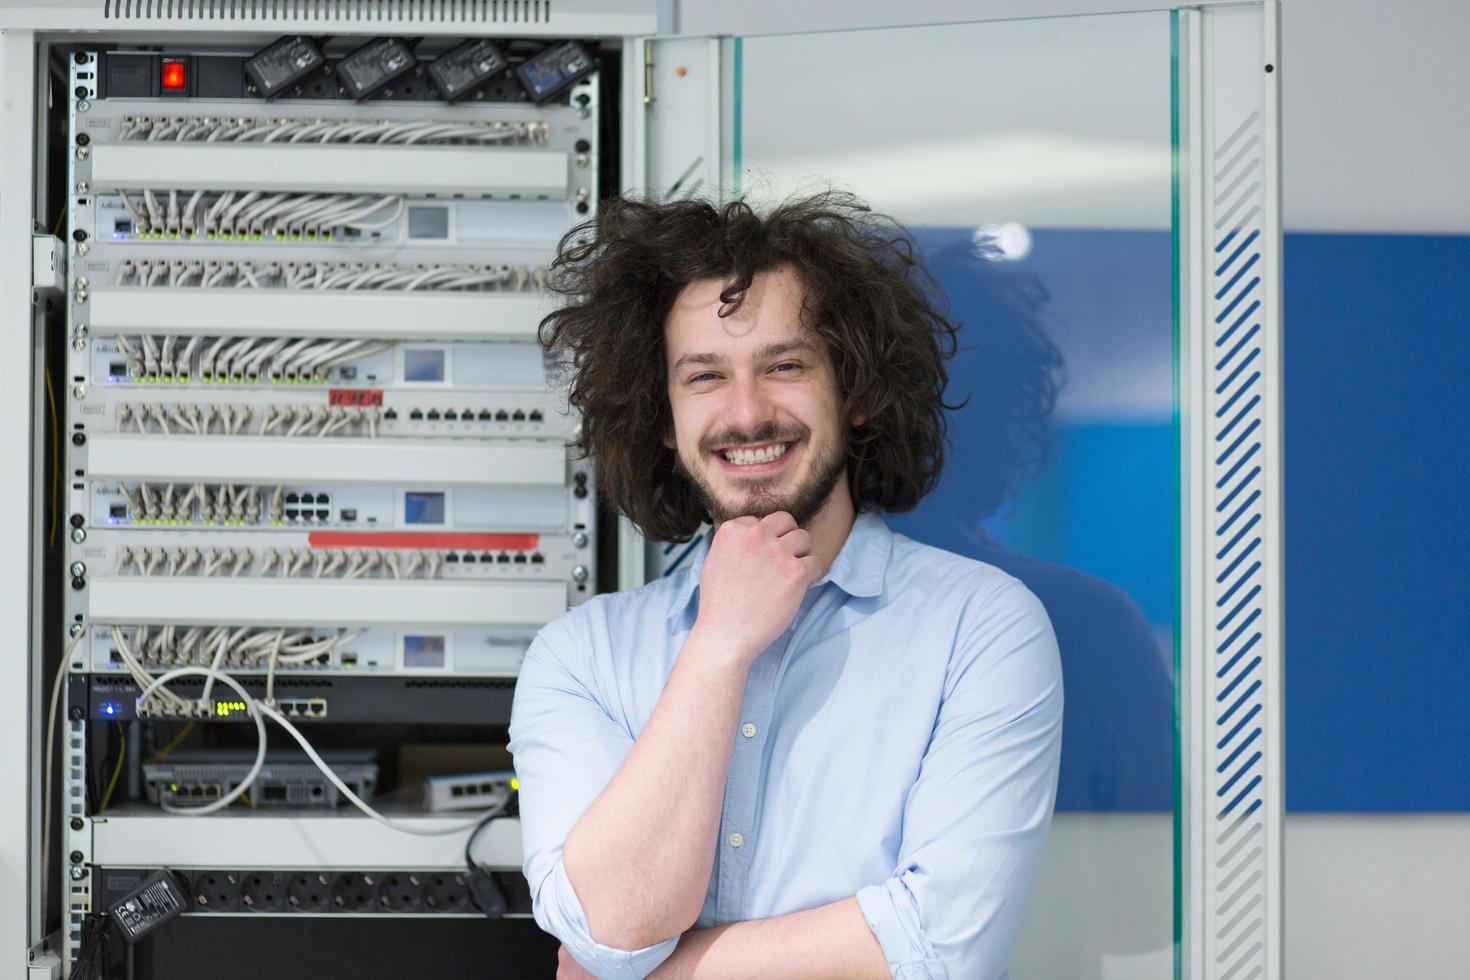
[246, 651]
[478, 518]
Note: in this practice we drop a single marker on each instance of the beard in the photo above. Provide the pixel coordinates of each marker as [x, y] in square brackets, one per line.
[758, 497]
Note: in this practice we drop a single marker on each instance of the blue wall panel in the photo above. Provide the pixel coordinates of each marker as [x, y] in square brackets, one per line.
[1377, 356]
[1377, 341]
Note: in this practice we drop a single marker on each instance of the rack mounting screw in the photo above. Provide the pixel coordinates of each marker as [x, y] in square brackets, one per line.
[78, 872]
[78, 569]
[75, 630]
[76, 823]
[75, 857]
[81, 187]
[78, 535]
[76, 714]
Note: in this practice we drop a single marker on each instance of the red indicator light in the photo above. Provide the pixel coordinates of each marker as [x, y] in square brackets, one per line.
[173, 76]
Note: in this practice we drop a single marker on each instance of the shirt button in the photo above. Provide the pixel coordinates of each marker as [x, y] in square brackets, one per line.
[736, 840]
[748, 730]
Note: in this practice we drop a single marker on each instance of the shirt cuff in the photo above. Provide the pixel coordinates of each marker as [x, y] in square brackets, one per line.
[559, 912]
[894, 918]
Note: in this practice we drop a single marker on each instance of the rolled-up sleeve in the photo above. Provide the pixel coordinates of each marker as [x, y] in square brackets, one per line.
[567, 748]
[977, 816]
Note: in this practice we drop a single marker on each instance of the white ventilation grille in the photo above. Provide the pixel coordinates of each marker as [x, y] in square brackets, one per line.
[332, 13]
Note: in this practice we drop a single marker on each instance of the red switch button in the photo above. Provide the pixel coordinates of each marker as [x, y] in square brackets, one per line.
[173, 76]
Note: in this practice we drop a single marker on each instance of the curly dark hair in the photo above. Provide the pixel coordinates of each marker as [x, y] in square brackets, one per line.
[865, 294]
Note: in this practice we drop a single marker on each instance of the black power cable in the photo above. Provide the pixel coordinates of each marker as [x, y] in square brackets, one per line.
[484, 891]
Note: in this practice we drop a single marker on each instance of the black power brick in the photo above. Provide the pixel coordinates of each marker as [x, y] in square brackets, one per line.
[157, 899]
[374, 66]
[459, 72]
[555, 69]
[278, 68]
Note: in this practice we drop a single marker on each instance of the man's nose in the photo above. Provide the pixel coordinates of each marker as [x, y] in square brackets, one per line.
[749, 405]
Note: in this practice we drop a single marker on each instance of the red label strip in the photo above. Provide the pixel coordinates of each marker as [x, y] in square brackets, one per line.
[355, 397]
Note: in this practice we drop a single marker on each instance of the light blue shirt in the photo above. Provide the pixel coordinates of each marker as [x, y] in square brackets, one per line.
[899, 742]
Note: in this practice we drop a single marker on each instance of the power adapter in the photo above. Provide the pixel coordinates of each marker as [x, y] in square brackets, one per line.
[157, 899]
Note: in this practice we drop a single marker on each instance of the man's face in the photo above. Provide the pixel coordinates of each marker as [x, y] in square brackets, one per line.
[758, 424]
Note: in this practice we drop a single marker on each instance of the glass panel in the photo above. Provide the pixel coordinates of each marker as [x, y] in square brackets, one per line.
[1031, 160]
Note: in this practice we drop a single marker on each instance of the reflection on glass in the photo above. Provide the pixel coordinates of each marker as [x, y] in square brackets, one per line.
[1031, 162]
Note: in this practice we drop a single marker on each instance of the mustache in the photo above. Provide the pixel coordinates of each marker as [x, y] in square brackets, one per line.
[765, 432]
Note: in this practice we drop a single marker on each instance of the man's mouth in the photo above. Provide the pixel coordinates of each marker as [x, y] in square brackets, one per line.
[754, 455]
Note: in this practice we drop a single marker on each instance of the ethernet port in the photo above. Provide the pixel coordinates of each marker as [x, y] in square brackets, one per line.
[317, 708]
[452, 557]
[518, 416]
[292, 498]
[537, 558]
[486, 557]
[450, 415]
[502, 416]
[273, 794]
[456, 790]
[535, 416]
[117, 369]
[485, 415]
[307, 498]
[322, 513]
[349, 513]
[432, 415]
[416, 415]
[391, 414]
[520, 559]
[348, 660]
[502, 559]
[118, 512]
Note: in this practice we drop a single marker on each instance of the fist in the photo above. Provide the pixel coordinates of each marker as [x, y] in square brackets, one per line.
[752, 582]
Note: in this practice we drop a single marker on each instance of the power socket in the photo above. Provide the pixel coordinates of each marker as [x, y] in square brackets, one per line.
[447, 893]
[354, 893]
[215, 891]
[308, 892]
[401, 892]
[263, 891]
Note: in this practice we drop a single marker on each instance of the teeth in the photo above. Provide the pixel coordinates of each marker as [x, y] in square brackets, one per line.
[748, 457]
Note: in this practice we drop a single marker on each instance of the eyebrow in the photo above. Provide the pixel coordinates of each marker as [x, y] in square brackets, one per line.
[765, 353]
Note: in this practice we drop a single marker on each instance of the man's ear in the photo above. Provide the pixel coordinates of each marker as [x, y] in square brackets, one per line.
[855, 414]
[668, 440]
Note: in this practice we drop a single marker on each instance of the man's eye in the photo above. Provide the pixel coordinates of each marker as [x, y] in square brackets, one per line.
[701, 377]
[787, 366]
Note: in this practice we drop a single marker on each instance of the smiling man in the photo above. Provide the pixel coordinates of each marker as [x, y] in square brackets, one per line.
[823, 749]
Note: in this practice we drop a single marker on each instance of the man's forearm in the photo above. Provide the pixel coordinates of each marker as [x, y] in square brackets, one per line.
[832, 941]
[640, 858]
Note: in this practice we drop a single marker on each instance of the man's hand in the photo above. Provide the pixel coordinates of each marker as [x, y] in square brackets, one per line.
[568, 968]
[753, 580]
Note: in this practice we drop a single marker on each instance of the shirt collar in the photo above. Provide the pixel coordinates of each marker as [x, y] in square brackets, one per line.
[858, 569]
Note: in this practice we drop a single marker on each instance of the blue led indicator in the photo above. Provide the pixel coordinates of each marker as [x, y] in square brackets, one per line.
[109, 708]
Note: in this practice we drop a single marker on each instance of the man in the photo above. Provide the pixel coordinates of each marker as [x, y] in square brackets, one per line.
[823, 750]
